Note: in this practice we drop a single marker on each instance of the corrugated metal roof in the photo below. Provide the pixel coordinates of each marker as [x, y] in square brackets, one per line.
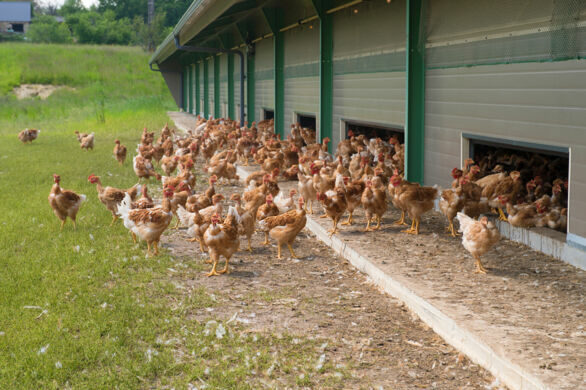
[15, 11]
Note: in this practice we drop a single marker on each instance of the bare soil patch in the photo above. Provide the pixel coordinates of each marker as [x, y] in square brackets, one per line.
[372, 339]
[42, 91]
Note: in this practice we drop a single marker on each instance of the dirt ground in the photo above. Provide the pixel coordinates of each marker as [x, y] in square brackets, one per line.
[369, 334]
[43, 91]
[529, 308]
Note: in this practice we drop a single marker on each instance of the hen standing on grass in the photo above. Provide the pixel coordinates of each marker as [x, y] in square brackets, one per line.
[479, 236]
[148, 224]
[119, 152]
[28, 135]
[64, 203]
[111, 196]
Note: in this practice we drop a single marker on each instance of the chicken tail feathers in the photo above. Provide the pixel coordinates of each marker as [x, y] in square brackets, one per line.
[184, 216]
[465, 221]
[124, 207]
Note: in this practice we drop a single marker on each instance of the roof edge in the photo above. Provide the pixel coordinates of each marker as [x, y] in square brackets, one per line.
[196, 11]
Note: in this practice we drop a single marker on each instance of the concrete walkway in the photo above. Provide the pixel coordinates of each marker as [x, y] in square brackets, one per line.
[524, 321]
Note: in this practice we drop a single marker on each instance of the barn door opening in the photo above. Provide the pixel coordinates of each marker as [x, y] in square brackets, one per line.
[268, 114]
[306, 121]
[373, 130]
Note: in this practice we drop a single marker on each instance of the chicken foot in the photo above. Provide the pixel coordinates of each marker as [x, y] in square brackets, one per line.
[213, 272]
[414, 229]
[293, 255]
[249, 246]
[479, 267]
[133, 237]
[266, 241]
[450, 229]
[225, 270]
[349, 221]
[402, 220]
[502, 216]
[334, 230]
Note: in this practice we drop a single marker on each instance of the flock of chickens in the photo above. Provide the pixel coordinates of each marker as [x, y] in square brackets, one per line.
[363, 173]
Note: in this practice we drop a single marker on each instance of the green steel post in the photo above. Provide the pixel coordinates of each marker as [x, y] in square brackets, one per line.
[415, 92]
[231, 86]
[326, 70]
[279, 42]
[197, 91]
[190, 90]
[184, 89]
[206, 90]
[217, 113]
[250, 89]
[274, 17]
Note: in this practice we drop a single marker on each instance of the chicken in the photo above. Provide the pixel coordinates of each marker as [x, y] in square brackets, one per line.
[87, 142]
[478, 237]
[169, 164]
[180, 198]
[334, 204]
[28, 135]
[353, 192]
[196, 225]
[111, 196]
[306, 190]
[523, 215]
[285, 227]
[509, 186]
[268, 209]
[224, 169]
[396, 187]
[145, 201]
[148, 224]
[80, 136]
[291, 172]
[222, 239]
[285, 204]
[216, 208]
[144, 168]
[554, 219]
[247, 220]
[451, 202]
[119, 152]
[374, 201]
[65, 203]
[256, 197]
[417, 201]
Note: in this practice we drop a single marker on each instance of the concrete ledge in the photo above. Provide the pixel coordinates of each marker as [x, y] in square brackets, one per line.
[550, 242]
[510, 374]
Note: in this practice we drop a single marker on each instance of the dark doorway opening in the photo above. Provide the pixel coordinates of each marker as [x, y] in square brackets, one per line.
[268, 114]
[306, 121]
[18, 27]
[374, 131]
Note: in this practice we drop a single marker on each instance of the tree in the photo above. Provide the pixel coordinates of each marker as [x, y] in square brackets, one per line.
[46, 29]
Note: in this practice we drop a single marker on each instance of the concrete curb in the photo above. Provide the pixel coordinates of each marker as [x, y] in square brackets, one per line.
[509, 373]
[480, 353]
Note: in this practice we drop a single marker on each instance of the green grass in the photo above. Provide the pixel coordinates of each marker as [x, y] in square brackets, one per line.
[101, 315]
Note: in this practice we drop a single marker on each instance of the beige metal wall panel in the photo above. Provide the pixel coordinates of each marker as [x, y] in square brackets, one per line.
[539, 103]
[301, 73]
[369, 27]
[237, 85]
[369, 65]
[264, 75]
[368, 97]
[301, 97]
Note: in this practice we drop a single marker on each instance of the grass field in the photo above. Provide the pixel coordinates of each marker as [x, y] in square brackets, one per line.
[84, 308]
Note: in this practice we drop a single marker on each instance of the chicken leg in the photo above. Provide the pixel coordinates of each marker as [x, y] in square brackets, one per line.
[479, 267]
[367, 228]
[334, 230]
[349, 221]
[62, 224]
[133, 237]
[213, 272]
[414, 229]
[266, 242]
[225, 270]
[249, 246]
[114, 218]
[502, 216]
[291, 250]
[148, 248]
[279, 250]
[156, 245]
[74, 224]
[402, 220]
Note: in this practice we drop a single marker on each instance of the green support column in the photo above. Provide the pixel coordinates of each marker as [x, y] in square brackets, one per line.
[231, 86]
[279, 43]
[274, 18]
[190, 89]
[250, 89]
[206, 90]
[217, 112]
[197, 91]
[326, 70]
[415, 92]
[184, 89]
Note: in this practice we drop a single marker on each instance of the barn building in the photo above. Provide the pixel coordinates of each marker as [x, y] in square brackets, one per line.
[15, 16]
[455, 78]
